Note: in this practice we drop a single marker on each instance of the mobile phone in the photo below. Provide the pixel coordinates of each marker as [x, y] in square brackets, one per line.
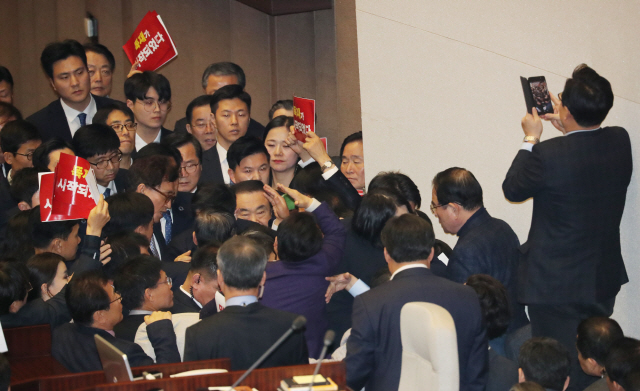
[536, 94]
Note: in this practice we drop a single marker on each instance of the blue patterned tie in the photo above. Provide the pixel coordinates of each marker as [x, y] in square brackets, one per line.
[167, 227]
[107, 192]
[152, 247]
[83, 119]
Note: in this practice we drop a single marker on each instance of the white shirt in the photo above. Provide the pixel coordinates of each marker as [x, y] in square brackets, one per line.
[111, 186]
[413, 266]
[140, 143]
[224, 164]
[72, 115]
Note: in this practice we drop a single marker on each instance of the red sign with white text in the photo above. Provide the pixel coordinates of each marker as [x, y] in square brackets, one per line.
[70, 192]
[304, 117]
[150, 44]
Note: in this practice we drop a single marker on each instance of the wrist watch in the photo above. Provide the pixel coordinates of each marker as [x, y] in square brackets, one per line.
[327, 165]
[531, 139]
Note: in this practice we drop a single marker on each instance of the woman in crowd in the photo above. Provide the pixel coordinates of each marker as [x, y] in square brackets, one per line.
[283, 159]
[47, 274]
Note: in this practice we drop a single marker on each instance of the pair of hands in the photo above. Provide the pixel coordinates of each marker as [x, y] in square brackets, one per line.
[278, 203]
[98, 218]
[311, 148]
[532, 123]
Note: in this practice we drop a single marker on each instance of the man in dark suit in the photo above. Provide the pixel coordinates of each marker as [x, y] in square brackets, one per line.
[571, 265]
[544, 361]
[245, 329]
[486, 245]
[216, 75]
[96, 309]
[374, 349]
[19, 139]
[149, 98]
[65, 63]
[201, 285]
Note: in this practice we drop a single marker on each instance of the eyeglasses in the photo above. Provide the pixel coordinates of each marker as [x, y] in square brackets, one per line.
[190, 168]
[102, 164]
[130, 126]
[167, 197]
[433, 207]
[150, 104]
[168, 281]
[29, 155]
[29, 287]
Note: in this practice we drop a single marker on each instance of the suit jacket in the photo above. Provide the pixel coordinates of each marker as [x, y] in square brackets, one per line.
[299, 287]
[211, 170]
[73, 345]
[183, 217]
[122, 180]
[487, 245]
[255, 128]
[243, 334]
[374, 348]
[503, 373]
[52, 122]
[128, 327]
[579, 185]
[183, 303]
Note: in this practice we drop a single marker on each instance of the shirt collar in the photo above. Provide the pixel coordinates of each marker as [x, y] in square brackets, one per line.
[71, 114]
[241, 301]
[140, 143]
[406, 267]
[584, 130]
[221, 152]
[111, 186]
[189, 295]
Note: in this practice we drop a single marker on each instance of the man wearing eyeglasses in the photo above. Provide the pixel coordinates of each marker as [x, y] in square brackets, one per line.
[121, 119]
[149, 98]
[99, 144]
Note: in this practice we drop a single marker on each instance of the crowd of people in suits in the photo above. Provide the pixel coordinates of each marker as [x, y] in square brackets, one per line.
[209, 240]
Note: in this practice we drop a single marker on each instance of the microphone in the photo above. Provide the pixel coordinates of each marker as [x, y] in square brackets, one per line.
[328, 340]
[297, 324]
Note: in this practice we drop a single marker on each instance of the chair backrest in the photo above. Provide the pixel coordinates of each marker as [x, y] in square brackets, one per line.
[429, 349]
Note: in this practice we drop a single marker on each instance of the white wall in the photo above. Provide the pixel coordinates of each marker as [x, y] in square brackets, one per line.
[440, 88]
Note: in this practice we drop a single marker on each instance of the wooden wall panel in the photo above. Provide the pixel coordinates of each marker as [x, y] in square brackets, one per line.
[326, 79]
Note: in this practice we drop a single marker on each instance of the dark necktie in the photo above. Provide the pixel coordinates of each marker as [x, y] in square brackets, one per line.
[167, 227]
[83, 119]
[154, 250]
[107, 192]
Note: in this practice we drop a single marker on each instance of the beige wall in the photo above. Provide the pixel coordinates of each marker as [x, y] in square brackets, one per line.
[440, 87]
[281, 56]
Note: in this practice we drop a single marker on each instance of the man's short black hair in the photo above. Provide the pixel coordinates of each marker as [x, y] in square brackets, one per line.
[5, 373]
[202, 100]
[16, 133]
[399, 182]
[286, 104]
[8, 110]
[252, 186]
[278, 122]
[95, 139]
[57, 51]
[408, 238]
[224, 69]
[231, 91]
[243, 147]
[179, 139]
[42, 233]
[588, 96]
[103, 113]
[204, 260]
[40, 157]
[216, 196]
[299, 237]
[152, 171]
[124, 246]
[263, 236]
[128, 210]
[211, 226]
[494, 302]
[353, 137]
[459, 186]
[17, 243]
[371, 216]
[545, 361]
[85, 295]
[101, 49]
[14, 283]
[242, 263]
[595, 337]
[158, 149]
[137, 86]
[623, 359]
[5, 75]
[24, 184]
[135, 276]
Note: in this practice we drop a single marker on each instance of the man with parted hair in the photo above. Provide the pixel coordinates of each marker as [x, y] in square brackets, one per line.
[245, 328]
[248, 160]
[595, 337]
[486, 245]
[218, 75]
[65, 64]
[546, 362]
[101, 64]
[201, 285]
[374, 348]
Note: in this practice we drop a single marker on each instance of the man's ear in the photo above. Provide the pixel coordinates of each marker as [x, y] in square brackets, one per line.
[23, 206]
[148, 295]
[566, 384]
[189, 130]
[97, 317]
[387, 257]
[521, 378]
[8, 157]
[130, 104]
[195, 278]
[193, 236]
[53, 85]
[141, 188]
[56, 245]
[44, 289]
[232, 176]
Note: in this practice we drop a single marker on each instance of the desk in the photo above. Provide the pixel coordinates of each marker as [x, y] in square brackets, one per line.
[75, 381]
[267, 379]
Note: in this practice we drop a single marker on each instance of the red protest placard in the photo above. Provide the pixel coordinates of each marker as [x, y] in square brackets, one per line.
[75, 191]
[47, 180]
[304, 117]
[150, 45]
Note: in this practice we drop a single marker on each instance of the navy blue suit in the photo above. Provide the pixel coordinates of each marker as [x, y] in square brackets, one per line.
[374, 349]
